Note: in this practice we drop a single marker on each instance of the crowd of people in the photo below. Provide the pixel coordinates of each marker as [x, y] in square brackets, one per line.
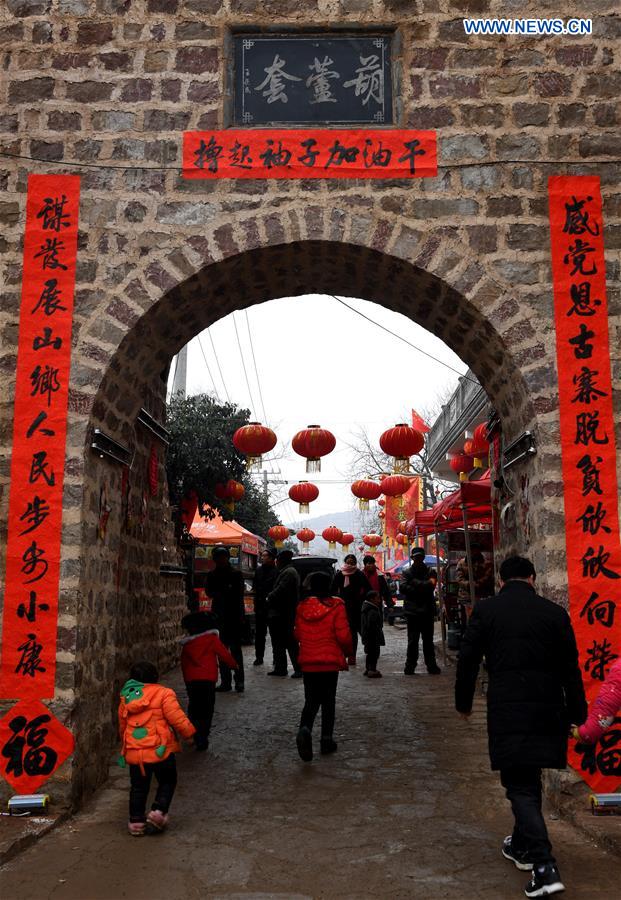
[535, 696]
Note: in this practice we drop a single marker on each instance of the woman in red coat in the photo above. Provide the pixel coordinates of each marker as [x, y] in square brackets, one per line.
[323, 633]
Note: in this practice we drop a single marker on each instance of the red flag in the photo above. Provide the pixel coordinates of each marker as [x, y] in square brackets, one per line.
[419, 423]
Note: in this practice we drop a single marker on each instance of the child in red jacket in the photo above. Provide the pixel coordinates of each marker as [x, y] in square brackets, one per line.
[199, 663]
[324, 636]
[604, 709]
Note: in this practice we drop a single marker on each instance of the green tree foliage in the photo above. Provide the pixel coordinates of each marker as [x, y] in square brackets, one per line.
[201, 454]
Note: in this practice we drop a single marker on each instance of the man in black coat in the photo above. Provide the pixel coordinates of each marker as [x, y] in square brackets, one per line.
[535, 692]
[419, 607]
[264, 581]
[225, 586]
[282, 602]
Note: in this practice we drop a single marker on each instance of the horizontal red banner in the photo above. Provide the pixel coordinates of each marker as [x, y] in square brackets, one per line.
[310, 153]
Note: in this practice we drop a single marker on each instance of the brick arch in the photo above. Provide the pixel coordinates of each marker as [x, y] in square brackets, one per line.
[122, 608]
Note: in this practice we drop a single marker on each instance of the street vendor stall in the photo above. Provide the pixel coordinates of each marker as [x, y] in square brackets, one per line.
[244, 548]
[454, 521]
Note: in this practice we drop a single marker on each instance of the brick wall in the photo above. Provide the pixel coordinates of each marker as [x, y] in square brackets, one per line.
[114, 83]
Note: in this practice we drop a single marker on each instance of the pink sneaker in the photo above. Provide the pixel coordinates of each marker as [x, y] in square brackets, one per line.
[136, 829]
[156, 821]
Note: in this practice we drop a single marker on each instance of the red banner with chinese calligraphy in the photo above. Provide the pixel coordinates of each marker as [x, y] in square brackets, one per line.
[588, 449]
[395, 513]
[33, 744]
[28, 662]
[310, 153]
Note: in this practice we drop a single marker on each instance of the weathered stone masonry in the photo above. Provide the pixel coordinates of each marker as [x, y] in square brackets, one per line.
[114, 83]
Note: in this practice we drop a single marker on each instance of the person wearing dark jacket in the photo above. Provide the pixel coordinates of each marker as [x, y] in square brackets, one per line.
[225, 586]
[419, 607]
[535, 692]
[200, 653]
[372, 632]
[282, 602]
[264, 581]
[352, 587]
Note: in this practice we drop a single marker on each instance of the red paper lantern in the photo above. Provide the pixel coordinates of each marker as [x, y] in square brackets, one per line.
[313, 443]
[469, 448]
[479, 445]
[332, 534]
[306, 535]
[381, 502]
[372, 540]
[304, 493]
[365, 490]
[462, 464]
[395, 486]
[231, 492]
[278, 534]
[381, 514]
[346, 541]
[401, 442]
[254, 440]
[401, 538]
[402, 528]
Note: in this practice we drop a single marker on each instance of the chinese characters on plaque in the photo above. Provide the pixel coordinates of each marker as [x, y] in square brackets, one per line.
[308, 79]
[28, 661]
[309, 153]
[588, 448]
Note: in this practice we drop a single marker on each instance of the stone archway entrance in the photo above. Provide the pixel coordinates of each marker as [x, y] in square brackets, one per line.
[118, 604]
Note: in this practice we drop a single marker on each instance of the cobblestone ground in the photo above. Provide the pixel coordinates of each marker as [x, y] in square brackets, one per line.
[407, 808]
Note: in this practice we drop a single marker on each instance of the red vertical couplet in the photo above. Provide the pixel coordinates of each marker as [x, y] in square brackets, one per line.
[28, 662]
[588, 450]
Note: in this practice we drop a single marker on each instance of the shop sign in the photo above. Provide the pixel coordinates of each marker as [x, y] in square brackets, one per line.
[28, 663]
[310, 153]
[588, 449]
[312, 79]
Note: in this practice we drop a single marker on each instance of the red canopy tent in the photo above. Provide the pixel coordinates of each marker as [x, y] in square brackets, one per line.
[472, 496]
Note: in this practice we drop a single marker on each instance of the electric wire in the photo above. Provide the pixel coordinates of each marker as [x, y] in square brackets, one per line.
[215, 389]
[243, 362]
[404, 340]
[179, 168]
[256, 371]
[213, 347]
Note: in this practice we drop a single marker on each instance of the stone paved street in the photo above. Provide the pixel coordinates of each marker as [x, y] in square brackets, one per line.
[407, 808]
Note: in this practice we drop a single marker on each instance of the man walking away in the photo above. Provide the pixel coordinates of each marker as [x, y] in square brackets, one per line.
[282, 602]
[535, 692]
[419, 607]
[225, 586]
[264, 581]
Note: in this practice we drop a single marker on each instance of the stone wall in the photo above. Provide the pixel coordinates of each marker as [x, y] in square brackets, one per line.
[104, 88]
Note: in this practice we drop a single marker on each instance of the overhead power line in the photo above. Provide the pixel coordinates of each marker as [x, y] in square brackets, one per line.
[215, 389]
[256, 371]
[404, 340]
[243, 362]
[213, 347]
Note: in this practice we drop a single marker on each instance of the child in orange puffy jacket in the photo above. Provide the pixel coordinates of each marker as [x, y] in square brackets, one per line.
[201, 650]
[149, 716]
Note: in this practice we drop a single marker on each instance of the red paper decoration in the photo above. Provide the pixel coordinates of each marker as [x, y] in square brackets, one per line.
[401, 538]
[401, 442]
[33, 744]
[395, 486]
[254, 440]
[306, 535]
[462, 464]
[231, 492]
[372, 540]
[304, 493]
[346, 541]
[332, 534]
[278, 534]
[313, 443]
[381, 502]
[365, 490]
[381, 514]
[153, 471]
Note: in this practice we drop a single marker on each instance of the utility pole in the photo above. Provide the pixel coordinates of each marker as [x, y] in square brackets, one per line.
[181, 373]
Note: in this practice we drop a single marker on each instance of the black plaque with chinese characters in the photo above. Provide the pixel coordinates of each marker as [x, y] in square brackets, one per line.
[309, 79]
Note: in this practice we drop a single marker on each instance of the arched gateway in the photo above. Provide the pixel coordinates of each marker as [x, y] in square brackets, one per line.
[464, 254]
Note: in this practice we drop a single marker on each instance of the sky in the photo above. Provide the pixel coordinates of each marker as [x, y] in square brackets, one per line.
[320, 363]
